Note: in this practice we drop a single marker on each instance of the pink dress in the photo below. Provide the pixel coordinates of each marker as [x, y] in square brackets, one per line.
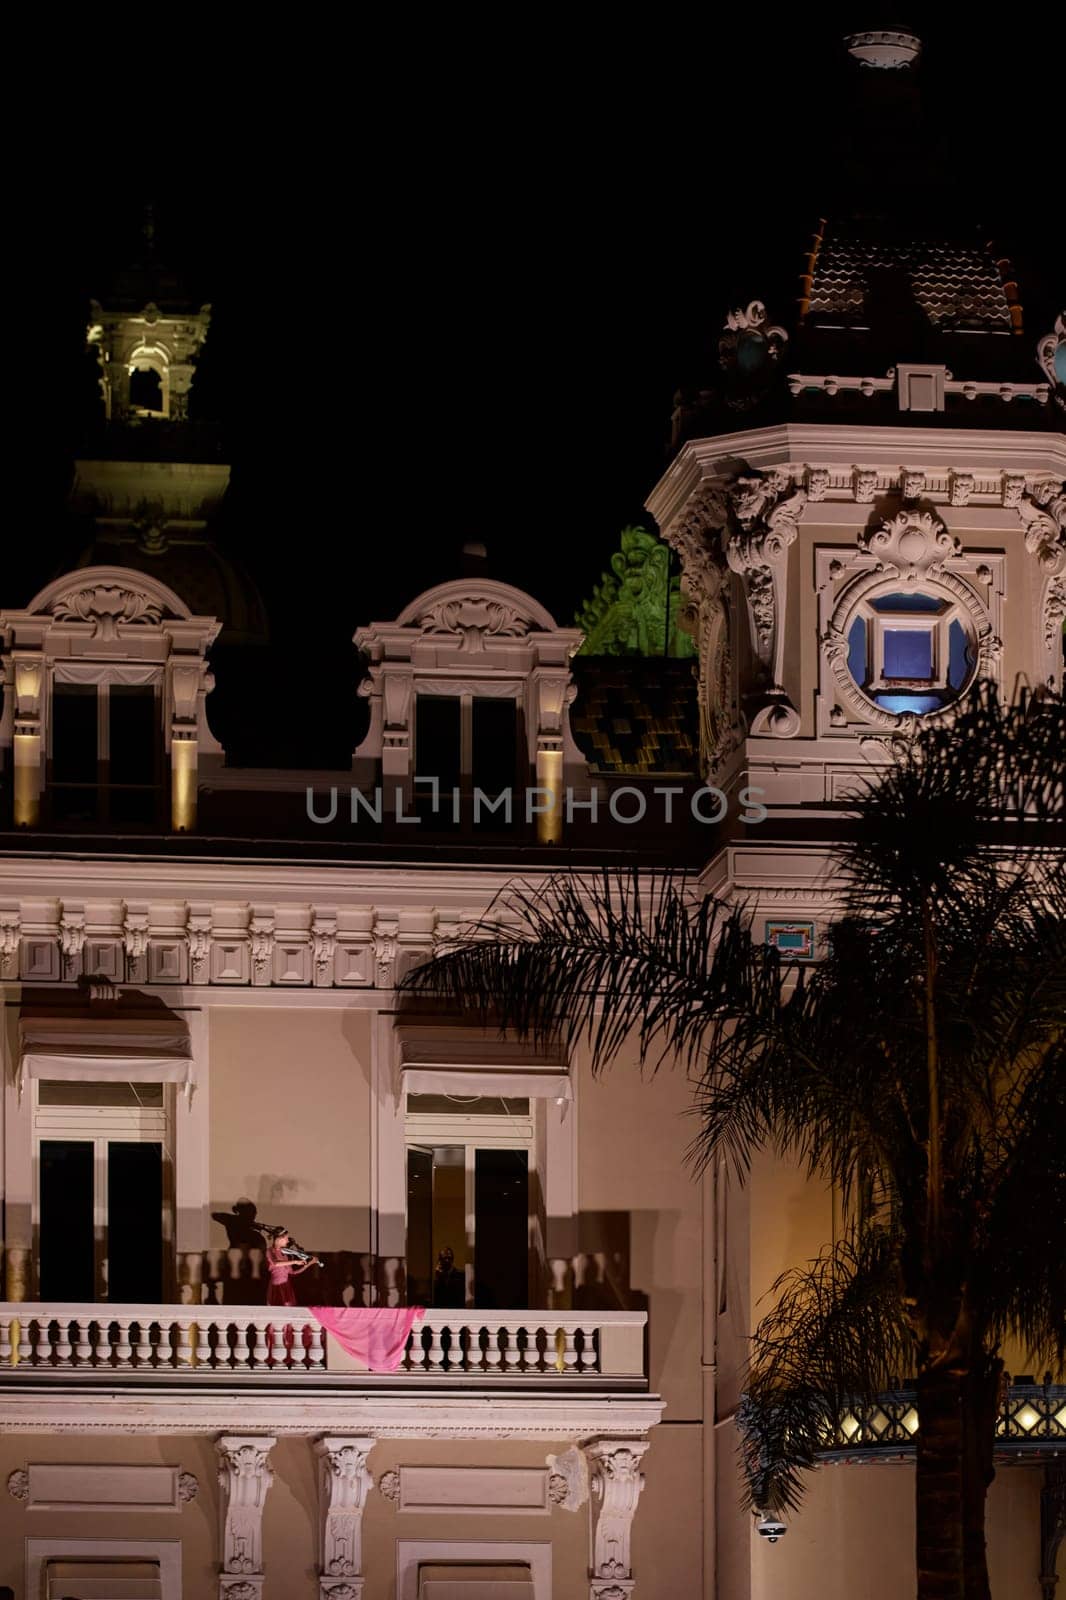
[281, 1291]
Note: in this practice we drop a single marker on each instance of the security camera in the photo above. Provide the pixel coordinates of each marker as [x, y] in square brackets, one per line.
[770, 1527]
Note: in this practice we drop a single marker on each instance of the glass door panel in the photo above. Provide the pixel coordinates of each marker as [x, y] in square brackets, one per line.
[419, 1226]
[134, 1222]
[501, 1228]
[66, 1236]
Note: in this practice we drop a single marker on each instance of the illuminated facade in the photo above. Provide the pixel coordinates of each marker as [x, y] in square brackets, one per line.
[203, 1035]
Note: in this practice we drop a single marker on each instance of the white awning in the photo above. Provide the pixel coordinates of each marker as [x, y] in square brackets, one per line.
[107, 1044]
[451, 1078]
[441, 1056]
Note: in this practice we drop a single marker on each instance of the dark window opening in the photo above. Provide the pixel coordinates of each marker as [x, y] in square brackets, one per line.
[146, 390]
[494, 753]
[134, 1222]
[66, 1240]
[501, 1228]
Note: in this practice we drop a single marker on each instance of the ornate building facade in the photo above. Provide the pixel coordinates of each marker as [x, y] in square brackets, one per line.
[203, 1035]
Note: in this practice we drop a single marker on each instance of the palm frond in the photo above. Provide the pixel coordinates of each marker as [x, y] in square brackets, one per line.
[836, 1336]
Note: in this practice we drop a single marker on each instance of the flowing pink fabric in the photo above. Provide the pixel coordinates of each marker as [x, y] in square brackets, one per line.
[376, 1336]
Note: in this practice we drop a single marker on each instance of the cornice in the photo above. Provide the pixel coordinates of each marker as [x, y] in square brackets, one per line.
[393, 883]
[802, 445]
[469, 1415]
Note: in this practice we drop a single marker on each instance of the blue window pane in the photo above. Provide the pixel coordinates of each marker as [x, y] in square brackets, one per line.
[857, 650]
[907, 654]
[960, 655]
[907, 602]
[918, 703]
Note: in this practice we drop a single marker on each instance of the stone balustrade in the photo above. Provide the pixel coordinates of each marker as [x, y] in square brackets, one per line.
[549, 1346]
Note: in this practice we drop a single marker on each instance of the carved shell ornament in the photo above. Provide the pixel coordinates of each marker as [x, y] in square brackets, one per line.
[474, 619]
[912, 543]
[106, 606]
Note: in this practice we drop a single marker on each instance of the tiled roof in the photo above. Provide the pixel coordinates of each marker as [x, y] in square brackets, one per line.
[636, 715]
[958, 287]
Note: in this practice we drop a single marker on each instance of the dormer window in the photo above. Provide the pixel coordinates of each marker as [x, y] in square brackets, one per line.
[105, 678]
[467, 760]
[910, 650]
[106, 753]
[471, 687]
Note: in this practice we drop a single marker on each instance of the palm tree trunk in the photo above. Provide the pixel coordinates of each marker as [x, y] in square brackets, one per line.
[939, 1488]
[980, 1405]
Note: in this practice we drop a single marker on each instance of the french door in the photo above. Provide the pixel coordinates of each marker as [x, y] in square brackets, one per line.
[103, 1192]
[471, 1190]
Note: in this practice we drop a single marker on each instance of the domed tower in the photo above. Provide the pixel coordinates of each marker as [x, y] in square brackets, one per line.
[867, 497]
[104, 720]
[152, 479]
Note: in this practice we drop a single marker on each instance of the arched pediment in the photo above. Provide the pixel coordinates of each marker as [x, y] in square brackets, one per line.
[108, 597]
[477, 607]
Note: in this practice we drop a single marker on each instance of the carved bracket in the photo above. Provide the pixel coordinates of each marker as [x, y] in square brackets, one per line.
[767, 511]
[697, 535]
[245, 1477]
[1043, 514]
[344, 1483]
[617, 1482]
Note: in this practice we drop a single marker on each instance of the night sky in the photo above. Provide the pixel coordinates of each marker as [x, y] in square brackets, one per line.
[458, 270]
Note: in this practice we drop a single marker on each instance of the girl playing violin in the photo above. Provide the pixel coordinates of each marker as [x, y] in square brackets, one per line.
[283, 1268]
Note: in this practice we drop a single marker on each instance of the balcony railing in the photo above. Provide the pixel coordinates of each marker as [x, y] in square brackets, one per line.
[539, 1346]
[1032, 1420]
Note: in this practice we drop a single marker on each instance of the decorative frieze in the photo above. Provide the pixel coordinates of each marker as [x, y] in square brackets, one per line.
[225, 943]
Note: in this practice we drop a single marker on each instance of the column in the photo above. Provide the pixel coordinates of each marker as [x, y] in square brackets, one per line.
[616, 1483]
[186, 682]
[28, 675]
[343, 1483]
[245, 1477]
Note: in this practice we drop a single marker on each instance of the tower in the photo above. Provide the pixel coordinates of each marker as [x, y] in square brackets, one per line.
[107, 722]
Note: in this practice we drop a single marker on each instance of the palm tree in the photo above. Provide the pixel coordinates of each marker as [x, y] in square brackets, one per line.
[920, 1069]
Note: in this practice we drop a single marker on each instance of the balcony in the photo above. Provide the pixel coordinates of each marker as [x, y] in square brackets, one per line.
[1031, 1424]
[547, 1351]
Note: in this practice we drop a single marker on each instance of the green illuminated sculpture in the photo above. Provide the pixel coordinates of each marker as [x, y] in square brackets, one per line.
[634, 608]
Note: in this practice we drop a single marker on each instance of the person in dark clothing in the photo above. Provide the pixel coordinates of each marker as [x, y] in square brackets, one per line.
[449, 1284]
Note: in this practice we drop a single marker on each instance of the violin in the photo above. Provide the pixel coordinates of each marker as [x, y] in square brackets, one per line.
[294, 1251]
[298, 1253]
